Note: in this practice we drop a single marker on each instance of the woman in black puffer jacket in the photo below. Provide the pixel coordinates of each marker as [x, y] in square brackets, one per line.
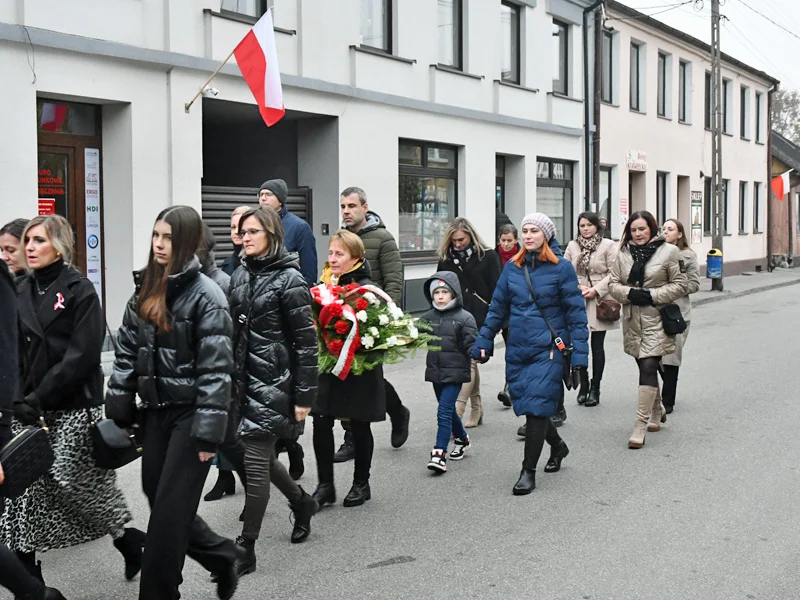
[174, 350]
[276, 357]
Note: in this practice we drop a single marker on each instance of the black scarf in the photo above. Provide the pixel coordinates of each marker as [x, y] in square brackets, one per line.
[461, 257]
[641, 255]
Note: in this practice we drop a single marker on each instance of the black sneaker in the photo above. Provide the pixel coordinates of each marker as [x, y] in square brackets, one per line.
[459, 448]
[438, 461]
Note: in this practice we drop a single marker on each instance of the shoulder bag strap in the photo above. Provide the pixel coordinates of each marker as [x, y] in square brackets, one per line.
[556, 338]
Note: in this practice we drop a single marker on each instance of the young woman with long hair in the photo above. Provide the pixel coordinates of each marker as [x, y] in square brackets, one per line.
[645, 277]
[61, 340]
[534, 363]
[593, 255]
[11, 245]
[174, 350]
[478, 267]
[507, 248]
[674, 233]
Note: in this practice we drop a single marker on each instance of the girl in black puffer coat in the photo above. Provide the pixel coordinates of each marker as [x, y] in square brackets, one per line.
[275, 346]
[174, 350]
[449, 368]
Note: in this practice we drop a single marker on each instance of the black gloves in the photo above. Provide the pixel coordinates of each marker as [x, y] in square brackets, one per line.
[575, 377]
[640, 297]
[27, 411]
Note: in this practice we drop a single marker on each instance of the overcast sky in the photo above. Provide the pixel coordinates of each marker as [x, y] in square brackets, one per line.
[745, 35]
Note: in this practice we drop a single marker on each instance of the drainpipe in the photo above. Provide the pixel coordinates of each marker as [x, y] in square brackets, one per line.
[768, 191]
[587, 172]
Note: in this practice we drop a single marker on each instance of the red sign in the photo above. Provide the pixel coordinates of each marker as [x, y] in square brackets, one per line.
[47, 206]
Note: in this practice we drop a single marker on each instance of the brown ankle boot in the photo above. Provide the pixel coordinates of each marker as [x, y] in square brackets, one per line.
[647, 396]
[475, 413]
[658, 414]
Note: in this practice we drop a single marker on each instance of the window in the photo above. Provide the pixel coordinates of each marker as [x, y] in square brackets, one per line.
[662, 85]
[726, 206]
[759, 116]
[708, 203]
[427, 202]
[744, 112]
[560, 57]
[510, 22]
[604, 210]
[661, 196]
[727, 104]
[450, 33]
[684, 91]
[554, 195]
[709, 103]
[742, 207]
[254, 8]
[757, 207]
[376, 24]
[635, 57]
[608, 68]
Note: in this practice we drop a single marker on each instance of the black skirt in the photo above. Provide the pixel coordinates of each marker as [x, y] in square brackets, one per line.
[359, 397]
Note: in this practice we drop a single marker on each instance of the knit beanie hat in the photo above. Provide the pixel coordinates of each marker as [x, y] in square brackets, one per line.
[277, 187]
[543, 222]
[440, 283]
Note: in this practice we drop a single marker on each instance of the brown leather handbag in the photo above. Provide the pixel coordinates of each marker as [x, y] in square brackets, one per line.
[606, 310]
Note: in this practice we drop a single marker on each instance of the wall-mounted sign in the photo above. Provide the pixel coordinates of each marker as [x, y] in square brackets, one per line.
[47, 206]
[697, 217]
[94, 249]
[637, 160]
[623, 212]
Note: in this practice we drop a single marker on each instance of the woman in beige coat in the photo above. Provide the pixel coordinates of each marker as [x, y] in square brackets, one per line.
[646, 277]
[593, 255]
[675, 234]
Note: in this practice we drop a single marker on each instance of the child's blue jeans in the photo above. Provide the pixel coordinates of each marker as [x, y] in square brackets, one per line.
[449, 422]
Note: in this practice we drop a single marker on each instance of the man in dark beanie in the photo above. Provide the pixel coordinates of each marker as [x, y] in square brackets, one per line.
[298, 236]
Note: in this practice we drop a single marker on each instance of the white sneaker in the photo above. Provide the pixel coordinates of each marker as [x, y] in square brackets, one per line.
[459, 447]
[438, 462]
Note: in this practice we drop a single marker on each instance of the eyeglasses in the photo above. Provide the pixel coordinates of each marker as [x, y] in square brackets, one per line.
[251, 232]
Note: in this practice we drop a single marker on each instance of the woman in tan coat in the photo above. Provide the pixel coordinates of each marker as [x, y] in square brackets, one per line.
[675, 234]
[646, 277]
[593, 255]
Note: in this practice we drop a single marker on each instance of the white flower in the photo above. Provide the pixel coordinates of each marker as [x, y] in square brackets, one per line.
[396, 312]
[372, 298]
[373, 331]
[367, 341]
[362, 316]
[392, 341]
[383, 319]
[413, 332]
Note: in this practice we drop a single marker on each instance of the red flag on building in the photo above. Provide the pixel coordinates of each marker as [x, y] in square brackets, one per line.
[257, 58]
[780, 184]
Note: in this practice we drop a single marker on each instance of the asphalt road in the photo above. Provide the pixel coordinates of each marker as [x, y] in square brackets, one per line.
[706, 510]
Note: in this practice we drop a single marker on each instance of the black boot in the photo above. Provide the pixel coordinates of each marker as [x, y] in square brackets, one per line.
[504, 396]
[670, 376]
[295, 453]
[325, 494]
[526, 482]
[583, 391]
[559, 418]
[358, 494]
[228, 580]
[593, 399]
[400, 427]
[347, 451]
[131, 546]
[226, 485]
[245, 556]
[305, 508]
[521, 432]
[557, 454]
[43, 594]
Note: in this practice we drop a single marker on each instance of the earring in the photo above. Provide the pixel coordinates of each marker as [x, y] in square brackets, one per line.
[58, 253]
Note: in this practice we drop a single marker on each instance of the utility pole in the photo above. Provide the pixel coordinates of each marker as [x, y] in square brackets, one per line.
[718, 205]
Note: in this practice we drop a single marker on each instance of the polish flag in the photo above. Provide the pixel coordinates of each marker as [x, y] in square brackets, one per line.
[257, 58]
[780, 185]
[53, 116]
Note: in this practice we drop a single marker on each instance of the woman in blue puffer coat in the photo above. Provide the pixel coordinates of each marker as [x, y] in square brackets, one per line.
[534, 364]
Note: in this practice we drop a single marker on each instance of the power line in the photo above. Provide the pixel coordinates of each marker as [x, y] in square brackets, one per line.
[742, 37]
[643, 16]
[758, 12]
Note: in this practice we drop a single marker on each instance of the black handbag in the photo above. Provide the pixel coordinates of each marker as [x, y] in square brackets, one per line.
[25, 458]
[672, 319]
[571, 381]
[112, 446]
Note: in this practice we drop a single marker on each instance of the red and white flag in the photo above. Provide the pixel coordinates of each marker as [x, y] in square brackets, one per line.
[781, 185]
[257, 58]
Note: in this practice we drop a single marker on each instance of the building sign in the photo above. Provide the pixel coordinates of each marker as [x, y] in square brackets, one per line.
[623, 212]
[637, 160]
[94, 249]
[47, 206]
[697, 217]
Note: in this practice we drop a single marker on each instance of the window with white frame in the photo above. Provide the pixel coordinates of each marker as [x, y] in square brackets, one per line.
[560, 57]
[757, 199]
[726, 206]
[253, 8]
[510, 21]
[376, 24]
[662, 196]
[759, 117]
[636, 77]
[727, 106]
[743, 187]
[708, 205]
[709, 103]
[684, 92]
[607, 92]
[744, 112]
[450, 37]
[604, 210]
[664, 84]
[554, 185]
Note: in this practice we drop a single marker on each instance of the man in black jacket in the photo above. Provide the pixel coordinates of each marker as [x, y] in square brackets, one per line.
[230, 264]
[13, 574]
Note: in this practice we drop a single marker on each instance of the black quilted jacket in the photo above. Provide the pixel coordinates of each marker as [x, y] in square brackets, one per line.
[275, 344]
[189, 365]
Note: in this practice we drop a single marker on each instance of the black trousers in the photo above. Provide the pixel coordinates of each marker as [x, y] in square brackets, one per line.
[394, 407]
[537, 430]
[598, 339]
[13, 575]
[232, 448]
[669, 374]
[173, 478]
[323, 448]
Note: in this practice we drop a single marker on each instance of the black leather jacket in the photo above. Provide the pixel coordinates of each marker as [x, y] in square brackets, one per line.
[9, 369]
[189, 365]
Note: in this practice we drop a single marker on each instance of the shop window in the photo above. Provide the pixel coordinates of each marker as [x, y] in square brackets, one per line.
[510, 24]
[554, 195]
[376, 24]
[428, 194]
[450, 37]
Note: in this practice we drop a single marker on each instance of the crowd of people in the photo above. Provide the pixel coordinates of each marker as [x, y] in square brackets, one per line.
[221, 365]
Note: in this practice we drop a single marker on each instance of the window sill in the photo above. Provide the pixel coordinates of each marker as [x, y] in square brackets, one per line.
[706, 233]
[637, 112]
[425, 257]
[744, 233]
[746, 139]
[456, 71]
[760, 144]
[382, 54]
[242, 18]
[516, 85]
[725, 133]
[684, 123]
[757, 232]
[708, 129]
[564, 97]
[609, 103]
[664, 118]
[727, 235]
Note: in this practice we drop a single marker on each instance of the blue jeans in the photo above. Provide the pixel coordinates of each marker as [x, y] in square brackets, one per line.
[449, 422]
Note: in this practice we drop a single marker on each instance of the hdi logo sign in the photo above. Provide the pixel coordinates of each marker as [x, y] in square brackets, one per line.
[92, 209]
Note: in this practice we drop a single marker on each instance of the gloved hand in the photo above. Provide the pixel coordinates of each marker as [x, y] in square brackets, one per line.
[640, 297]
[480, 355]
[27, 411]
[575, 377]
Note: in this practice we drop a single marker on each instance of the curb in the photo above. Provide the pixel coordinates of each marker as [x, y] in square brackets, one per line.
[755, 290]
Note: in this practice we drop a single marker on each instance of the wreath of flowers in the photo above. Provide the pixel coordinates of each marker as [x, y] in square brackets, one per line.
[360, 327]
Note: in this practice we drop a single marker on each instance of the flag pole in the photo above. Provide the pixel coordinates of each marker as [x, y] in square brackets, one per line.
[188, 105]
